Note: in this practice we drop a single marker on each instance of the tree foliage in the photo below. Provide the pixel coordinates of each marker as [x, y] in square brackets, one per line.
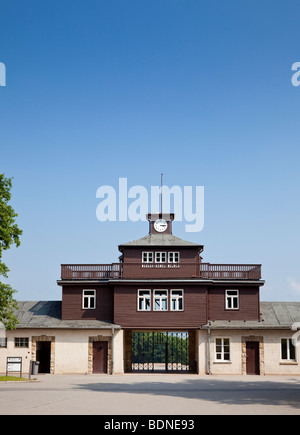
[9, 234]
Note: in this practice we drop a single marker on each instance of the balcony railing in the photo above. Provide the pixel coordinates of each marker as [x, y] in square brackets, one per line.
[91, 271]
[160, 271]
[230, 271]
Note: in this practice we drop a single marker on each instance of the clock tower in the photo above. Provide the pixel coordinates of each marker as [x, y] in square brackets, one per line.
[160, 223]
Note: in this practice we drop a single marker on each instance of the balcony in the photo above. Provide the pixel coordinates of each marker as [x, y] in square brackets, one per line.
[160, 271]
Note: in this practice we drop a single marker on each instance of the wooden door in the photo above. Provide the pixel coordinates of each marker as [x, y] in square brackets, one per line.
[252, 357]
[100, 356]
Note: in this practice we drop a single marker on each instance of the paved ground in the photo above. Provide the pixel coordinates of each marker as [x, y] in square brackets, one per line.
[152, 395]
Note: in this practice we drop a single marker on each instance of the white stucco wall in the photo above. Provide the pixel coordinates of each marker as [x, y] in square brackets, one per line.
[235, 364]
[11, 350]
[118, 352]
[272, 363]
[201, 353]
[232, 367]
[71, 349]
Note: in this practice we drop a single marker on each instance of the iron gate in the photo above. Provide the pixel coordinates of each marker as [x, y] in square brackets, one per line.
[160, 351]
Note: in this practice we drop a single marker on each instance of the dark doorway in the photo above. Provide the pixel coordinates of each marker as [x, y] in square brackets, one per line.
[100, 352]
[43, 355]
[252, 358]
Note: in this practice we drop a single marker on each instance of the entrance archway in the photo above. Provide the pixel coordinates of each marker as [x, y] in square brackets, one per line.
[161, 351]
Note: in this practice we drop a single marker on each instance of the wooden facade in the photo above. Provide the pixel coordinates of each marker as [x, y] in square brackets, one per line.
[118, 303]
[72, 306]
[126, 312]
[248, 303]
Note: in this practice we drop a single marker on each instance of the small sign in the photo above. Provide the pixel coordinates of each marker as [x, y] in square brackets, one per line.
[14, 365]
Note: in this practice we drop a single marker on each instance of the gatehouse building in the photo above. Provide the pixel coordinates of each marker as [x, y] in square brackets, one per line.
[160, 308]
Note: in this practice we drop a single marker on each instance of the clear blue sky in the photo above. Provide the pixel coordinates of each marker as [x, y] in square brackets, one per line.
[199, 90]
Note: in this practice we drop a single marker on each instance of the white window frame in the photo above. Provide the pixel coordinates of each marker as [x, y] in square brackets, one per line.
[89, 298]
[222, 352]
[231, 298]
[177, 298]
[174, 255]
[3, 342]
[21, 342]
[143, 299]
[147, 257]
[288, 350]
[160, 299]
[158, 257]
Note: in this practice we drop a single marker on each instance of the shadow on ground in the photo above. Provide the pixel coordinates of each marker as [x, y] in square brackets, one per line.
[230, 392]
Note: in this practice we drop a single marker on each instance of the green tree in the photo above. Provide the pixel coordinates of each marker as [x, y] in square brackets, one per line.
[9, 234]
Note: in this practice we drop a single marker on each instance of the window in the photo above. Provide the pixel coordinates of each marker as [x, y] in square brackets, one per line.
[173, 257]
[287, 350]
[161, 300]
[89, 299]
[3, 342]
[176, 300]
[147, 257]
[144, 300]
[160, 257]
[21, 342]
[222, 349]
[232, 299]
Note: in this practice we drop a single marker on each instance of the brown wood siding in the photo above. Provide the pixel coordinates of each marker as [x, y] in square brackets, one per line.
[127, 314]
[160, 271]
[72, 303]
[248, 303]
[134, 268]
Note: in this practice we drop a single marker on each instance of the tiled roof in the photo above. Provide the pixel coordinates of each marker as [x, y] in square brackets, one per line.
[47, 314]
[160, 240]
[273, 315]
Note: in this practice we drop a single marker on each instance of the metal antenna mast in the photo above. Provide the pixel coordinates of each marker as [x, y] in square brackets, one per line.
[161, 193]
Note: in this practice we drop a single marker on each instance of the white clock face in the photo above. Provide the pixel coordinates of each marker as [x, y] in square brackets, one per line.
[160, 225]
